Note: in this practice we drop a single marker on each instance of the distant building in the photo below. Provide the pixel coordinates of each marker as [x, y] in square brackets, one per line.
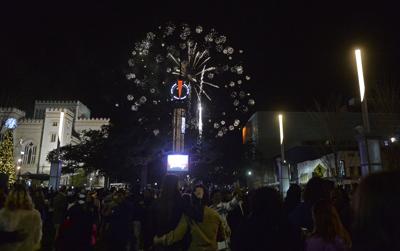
[307, 143]
[35, 137]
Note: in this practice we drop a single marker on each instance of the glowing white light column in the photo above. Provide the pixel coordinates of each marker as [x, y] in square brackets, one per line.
[200, 119]
[280, 118]
[369, 147]
[284, 170]
[360, 74]
[199, 106]
[61, 127]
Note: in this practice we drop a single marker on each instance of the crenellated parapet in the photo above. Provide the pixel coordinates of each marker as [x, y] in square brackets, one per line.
[52, 109]
[57, 102]
[31, 121]
[11, 110]
[93, 120]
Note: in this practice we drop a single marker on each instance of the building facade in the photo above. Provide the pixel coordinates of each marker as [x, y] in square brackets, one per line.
[310, 139]
[53, 123]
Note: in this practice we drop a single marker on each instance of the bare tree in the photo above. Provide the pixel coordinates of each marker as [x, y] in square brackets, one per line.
[328, 115]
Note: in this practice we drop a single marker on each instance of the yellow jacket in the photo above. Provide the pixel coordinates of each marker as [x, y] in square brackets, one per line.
[204, 235]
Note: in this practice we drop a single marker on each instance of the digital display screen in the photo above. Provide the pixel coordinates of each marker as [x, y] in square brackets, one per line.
[178, 163]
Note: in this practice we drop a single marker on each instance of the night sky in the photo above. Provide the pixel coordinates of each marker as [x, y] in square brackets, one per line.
[295, 52]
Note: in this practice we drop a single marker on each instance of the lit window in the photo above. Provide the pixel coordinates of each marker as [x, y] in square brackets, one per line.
[55, 123]
[30, 154]
[53, 137]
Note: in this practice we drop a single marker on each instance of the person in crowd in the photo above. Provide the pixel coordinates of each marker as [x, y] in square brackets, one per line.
[223, 208]
[236, 218]
[293, 198]
[376, 207]
[39, 201]
[329, 233]
[7, 237]
[19, 215]
[108, 204]
[341, 202]
[165, 213]
[94, 205]
[142, 221]
[121, 224]
[205, 226]
[76, 233]
[59, 206]
[3, 189]
[267, 228]
[315, 190]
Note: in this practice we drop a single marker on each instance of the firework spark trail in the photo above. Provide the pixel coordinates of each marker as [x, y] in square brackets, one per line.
[198, 57]
[191, 52]
[206, 70]
[173, 58]
[200, 107]
[210, 84]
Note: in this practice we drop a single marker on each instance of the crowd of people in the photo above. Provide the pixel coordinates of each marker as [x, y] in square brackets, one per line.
[322, 216]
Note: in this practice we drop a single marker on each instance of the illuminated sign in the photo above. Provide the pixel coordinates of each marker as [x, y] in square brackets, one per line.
[180, 90]
[178, 163]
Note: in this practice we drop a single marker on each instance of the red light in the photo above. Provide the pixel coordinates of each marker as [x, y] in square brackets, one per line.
[180, 84]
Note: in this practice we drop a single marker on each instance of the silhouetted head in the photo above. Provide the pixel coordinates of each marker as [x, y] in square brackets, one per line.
[324, 220]
[267, 202]
[315, 190]
[377, 212]
[170, 187]
[216, 196]
[294, 194]
[19, 198]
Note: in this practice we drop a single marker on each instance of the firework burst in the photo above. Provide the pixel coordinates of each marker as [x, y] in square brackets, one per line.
[206, 65]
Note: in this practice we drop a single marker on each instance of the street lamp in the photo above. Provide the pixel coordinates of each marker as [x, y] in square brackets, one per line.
[361, 85]
[284, 171]
[249, 173]
[369, 147]
[280, 119]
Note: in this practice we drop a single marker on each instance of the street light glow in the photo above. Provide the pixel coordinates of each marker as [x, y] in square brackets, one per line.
[18, 167]
[393, 139]
[280, 118]
[360, 73]
[249, 173]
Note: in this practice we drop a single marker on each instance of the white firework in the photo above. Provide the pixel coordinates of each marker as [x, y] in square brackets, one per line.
[194, 67]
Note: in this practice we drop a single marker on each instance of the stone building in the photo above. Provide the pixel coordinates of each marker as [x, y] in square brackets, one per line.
[52, 121]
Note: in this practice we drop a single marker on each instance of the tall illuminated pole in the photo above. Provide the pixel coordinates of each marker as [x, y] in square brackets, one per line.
[280, 119]
[361, 84]
[55, 167]
[284, 171]
[369, 146]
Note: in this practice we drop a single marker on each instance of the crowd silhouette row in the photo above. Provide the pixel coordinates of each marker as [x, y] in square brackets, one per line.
[322, 216]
